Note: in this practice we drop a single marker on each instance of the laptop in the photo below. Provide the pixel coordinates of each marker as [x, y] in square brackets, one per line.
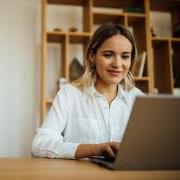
[152, 137]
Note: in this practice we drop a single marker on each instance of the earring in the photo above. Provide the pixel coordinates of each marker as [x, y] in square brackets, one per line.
[92, 65]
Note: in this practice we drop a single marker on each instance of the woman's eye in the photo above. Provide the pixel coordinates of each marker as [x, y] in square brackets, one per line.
[107, 55]
[126, 57]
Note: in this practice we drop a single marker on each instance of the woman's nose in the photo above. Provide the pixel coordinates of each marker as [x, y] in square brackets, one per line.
[117, 62]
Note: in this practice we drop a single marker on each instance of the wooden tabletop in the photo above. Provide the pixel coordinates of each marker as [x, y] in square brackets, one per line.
[42, 168]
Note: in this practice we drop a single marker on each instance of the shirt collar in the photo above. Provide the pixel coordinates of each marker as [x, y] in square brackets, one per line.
[121, 93]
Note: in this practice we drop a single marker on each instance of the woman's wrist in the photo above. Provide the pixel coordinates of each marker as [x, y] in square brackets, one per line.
[95, 148]
[86, 150]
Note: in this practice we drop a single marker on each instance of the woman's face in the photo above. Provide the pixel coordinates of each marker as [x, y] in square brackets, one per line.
[113, 60]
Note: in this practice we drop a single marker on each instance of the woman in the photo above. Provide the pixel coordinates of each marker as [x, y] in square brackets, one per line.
[89, 117]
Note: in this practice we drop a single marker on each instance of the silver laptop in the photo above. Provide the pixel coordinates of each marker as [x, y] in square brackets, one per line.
[152, 137]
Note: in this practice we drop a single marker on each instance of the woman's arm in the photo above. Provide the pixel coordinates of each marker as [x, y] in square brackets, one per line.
[49, 140]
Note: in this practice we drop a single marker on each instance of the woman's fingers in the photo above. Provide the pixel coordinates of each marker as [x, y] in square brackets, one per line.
[115, 146]
[109, 148]
[110, 151]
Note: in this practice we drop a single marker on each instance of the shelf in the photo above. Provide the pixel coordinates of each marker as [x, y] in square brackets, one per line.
[168, 5]
[175, 40]
[176, 45]
[117, 4]
[158, 40]
[135, 19]
[162, 65]
[138, 25]
[141, 78]
[176, 62]
[165, 39]
[143, 85]
[75, 37]
[57, 37]
[161, 38]
[103, 17]
[135, 15]
[100, 17]
[79, 38]
[67, 2]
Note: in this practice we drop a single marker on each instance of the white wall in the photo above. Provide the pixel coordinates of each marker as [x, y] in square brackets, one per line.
[20, 27]
[20, 68]
[19, 75]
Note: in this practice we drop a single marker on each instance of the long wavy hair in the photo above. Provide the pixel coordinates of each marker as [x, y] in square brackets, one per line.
[103, 33]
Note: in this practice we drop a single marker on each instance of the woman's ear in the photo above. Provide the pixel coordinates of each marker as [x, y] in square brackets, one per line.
[92, 59]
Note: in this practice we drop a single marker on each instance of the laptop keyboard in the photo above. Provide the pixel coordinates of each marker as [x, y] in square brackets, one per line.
[104, 158]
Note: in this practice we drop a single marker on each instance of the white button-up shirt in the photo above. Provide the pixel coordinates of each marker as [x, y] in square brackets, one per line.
[78, 117]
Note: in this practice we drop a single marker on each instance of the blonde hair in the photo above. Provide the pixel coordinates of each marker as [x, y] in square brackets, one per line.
[103, 33]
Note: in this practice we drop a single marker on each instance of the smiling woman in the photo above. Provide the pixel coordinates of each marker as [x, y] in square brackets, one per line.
[89, 116]
[113, 60]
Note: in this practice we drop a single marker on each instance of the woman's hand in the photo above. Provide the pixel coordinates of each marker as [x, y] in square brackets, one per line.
[87, 150]
[109, 149]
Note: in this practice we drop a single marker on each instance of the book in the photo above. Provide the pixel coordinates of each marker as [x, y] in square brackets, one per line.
[130, 28]
[137, 68]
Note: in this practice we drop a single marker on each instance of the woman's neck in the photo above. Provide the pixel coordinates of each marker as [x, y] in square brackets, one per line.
[108, 90]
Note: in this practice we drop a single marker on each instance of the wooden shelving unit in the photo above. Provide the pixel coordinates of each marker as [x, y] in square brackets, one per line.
[163, 48]
[158, 48]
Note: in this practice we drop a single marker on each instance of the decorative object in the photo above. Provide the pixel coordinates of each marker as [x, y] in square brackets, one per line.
[76, 69]
[134, 9]
[155, 91]
[61, 82]
[58, 29]
[153, 31]
[176, 67]
[73, 29]
[176, 91]
[176, 30]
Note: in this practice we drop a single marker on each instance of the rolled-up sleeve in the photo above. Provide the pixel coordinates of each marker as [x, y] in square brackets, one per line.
[49, 141]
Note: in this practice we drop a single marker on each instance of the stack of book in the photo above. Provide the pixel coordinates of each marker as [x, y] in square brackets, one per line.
[137, 68]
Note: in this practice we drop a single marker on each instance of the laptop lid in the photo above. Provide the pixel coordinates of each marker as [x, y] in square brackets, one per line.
[152, 136]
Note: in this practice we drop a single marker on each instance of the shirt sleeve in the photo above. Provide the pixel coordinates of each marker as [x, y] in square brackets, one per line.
[49, 142]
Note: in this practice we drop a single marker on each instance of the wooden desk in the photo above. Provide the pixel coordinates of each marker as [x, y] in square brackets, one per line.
[39, 168]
